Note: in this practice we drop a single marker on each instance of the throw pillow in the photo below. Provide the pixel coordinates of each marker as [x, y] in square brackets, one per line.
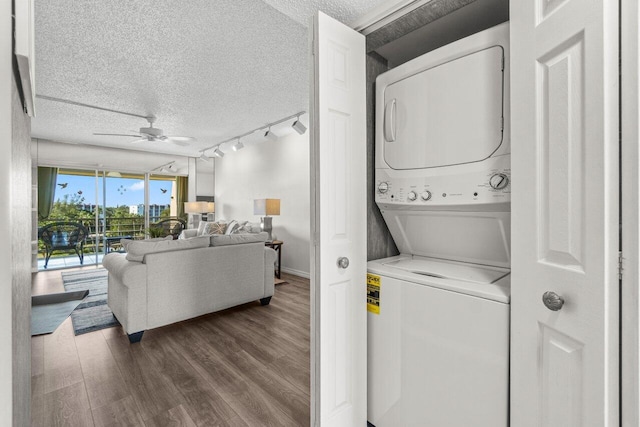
[231, 227]
[202, 225]
[239, 227]
[250, 227]
[218, 227]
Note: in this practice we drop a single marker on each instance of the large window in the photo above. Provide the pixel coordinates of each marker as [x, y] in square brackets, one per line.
[110, 205]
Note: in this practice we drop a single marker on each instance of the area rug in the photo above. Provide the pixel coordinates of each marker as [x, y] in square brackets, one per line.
[49, 311]
[93, 313]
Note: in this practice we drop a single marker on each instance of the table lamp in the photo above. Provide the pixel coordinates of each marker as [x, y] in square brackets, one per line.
[266, 207]
[196, 209]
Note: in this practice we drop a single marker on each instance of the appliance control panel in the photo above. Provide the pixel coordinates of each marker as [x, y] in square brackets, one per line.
[488, 186]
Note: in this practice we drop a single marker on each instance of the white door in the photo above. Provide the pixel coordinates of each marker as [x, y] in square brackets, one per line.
[338, 226]
[564, 76]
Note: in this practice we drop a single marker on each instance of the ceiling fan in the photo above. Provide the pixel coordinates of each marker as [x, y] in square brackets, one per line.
[152, 134]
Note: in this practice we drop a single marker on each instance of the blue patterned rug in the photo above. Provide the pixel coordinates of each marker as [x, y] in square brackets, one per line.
[93, 314]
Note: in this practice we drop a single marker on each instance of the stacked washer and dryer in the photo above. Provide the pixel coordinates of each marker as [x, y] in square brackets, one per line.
[438, 326]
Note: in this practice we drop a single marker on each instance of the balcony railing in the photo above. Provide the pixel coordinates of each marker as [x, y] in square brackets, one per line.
[132, 228]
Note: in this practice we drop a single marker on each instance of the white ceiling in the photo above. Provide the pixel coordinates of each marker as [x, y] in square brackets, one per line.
[207, 69]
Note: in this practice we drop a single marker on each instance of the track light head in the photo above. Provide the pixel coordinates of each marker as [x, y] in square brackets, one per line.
[270, 135]
[204, 157]
[299, 127]
[237, 146]
[172, 168]
[218, 153]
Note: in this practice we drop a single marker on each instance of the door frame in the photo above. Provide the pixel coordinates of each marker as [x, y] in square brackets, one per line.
[630, 213]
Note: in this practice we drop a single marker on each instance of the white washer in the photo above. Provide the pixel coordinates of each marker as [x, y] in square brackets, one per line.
[438, 327]
[438, 351]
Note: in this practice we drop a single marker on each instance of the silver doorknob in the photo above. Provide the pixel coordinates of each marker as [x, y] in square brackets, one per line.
[343, 262]
[552, 301]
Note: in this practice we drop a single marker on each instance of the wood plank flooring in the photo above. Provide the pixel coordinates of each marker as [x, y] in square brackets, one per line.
[246, 366]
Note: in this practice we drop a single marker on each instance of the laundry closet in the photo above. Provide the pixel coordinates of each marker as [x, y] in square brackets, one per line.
[545, 255]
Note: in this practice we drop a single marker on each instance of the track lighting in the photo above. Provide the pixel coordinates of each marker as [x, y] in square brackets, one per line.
[270, 135]
[298, 126]
[172, 168]
[205, 158]
[237, 146]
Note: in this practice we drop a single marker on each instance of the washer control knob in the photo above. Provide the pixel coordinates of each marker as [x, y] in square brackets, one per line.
[412, 196]
[383, 187]
[498, 181]
[425, 195]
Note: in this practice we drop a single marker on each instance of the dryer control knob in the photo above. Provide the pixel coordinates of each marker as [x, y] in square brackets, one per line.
[383, 187]
[425, 195]
[499, 181]
[412, 196]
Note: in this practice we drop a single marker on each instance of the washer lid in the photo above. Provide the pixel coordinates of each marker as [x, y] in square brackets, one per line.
[444, 269]
[498, 291]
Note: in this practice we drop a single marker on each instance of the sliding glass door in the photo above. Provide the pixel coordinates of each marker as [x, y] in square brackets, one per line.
[83, 214]
[123, 198]
[67, 212]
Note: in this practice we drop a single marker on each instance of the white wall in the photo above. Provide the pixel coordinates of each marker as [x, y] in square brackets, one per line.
[276, 170]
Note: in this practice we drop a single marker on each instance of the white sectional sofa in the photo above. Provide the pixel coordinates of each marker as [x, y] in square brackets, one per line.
[157, 283]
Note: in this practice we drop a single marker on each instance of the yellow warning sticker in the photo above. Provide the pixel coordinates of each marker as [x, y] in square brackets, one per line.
[373, 293]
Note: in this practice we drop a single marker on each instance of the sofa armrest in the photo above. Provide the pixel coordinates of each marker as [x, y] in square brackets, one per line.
[129, 273]
[269, 271]
[188, 233]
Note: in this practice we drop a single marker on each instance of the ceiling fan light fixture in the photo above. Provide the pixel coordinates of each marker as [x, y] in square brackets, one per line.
[299, 127]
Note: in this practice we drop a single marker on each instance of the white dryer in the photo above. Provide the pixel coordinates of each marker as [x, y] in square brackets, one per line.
[438, 326]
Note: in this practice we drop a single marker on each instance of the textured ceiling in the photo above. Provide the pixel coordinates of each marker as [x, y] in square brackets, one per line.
[345, 11]
[207, 69]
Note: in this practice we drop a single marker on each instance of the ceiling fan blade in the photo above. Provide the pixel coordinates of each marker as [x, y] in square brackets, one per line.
[181, 138]
[178, 142]
[116, 134]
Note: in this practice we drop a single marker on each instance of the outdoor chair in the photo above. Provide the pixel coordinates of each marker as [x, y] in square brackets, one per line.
[63, 236]
[169, 226]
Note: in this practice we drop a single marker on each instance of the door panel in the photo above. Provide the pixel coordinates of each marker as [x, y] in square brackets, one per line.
[338, 224]
[564, 364]
[559, 74]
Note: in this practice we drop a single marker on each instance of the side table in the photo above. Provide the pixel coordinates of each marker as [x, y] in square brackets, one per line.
[277, 246]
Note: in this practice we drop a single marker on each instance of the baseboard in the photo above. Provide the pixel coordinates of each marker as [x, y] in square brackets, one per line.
[299, 273]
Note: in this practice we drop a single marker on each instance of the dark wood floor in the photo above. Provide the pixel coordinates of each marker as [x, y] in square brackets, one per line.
[246, 366]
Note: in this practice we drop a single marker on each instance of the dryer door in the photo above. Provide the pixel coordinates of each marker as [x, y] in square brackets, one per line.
[447, 115]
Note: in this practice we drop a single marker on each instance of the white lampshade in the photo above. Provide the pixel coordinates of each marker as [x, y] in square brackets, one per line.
[195, 207]
[266, 207]
[210, 207]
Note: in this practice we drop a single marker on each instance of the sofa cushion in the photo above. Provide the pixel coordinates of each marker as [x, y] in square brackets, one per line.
[237, 239]
[137, 249]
